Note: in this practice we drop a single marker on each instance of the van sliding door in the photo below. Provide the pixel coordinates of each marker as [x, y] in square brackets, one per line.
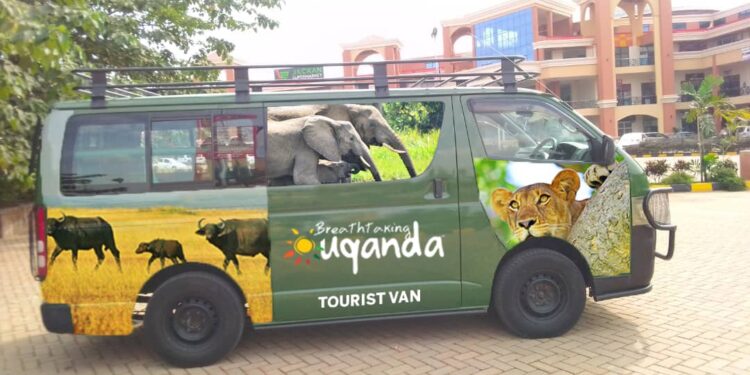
[358, 247]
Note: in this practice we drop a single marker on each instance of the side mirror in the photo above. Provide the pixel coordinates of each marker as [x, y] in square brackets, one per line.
[605, 154]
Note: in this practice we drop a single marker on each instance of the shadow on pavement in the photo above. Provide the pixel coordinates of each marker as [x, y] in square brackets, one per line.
[359, 344]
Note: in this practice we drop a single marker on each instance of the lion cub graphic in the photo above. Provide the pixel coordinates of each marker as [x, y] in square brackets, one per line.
[540, 210]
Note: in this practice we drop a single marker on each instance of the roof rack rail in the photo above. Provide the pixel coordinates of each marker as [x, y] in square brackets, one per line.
[508, 75]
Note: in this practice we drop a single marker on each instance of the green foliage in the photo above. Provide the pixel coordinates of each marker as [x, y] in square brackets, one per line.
[41, 42]
[726, 163]
[709, 160]
[424, 116]
[656, 168]
[492, 174]
[421, 147]
[681, 166]
[705, 106]
[727, 179]
[677, 178]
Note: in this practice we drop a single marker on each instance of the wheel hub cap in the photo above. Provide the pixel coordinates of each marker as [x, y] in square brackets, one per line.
[542, 295]
[194, 319]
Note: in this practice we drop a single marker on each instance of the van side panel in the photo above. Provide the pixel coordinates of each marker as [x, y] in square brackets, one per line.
[481, 249]
[380, 248]
[143, 229]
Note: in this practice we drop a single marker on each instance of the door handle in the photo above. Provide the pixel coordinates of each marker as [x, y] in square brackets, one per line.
[437, 188]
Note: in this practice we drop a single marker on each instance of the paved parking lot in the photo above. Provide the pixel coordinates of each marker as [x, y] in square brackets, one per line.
[696, 320]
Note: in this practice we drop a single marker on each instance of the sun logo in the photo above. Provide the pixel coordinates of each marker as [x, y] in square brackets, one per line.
[302, 247]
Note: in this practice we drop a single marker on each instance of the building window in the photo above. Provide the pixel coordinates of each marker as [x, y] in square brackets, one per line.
[624, 94]
[548, 54]
[731, 85]
[744, 14]
[573, 53]
[726, 39]
[720, 21]
[511, 34]
[704, 24]
[646, 28]
[692, 46]
[648, 93]
[650, 125]
[679, 26]
[622, 56]
[566, 92]
[624, 126]
[647, 55]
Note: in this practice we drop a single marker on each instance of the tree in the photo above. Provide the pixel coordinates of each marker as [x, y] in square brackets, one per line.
[705, 106]
[42, 41]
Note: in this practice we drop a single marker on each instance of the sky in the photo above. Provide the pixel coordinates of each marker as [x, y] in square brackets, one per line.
[312, 31]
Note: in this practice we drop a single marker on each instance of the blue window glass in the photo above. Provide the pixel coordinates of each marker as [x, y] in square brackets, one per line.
[511, 34]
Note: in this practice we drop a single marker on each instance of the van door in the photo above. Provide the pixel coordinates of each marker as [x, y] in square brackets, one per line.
[361, 247]
[515, 141]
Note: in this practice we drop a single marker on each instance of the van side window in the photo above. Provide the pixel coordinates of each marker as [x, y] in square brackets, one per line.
[351, 142]
[528, 130]
[108, 154]
[173, 150]
[238, 154]
[104, 154]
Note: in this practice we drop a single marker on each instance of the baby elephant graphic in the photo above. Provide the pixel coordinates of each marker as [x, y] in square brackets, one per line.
[160, 248]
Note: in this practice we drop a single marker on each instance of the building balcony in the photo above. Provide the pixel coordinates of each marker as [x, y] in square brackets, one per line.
[636, 100]
[640, 61]
[580, 104]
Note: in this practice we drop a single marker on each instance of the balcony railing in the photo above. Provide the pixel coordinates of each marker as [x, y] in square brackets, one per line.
[735, 91]
[636, 100]
[580, 104]
[638, 61]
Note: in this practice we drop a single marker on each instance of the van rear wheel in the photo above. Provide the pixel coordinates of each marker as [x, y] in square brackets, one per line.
[539, 293]
[194, 319]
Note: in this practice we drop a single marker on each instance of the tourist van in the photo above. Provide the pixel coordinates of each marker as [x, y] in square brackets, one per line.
[293, 202]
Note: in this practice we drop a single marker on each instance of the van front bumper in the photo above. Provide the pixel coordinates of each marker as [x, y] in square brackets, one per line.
[57, 317]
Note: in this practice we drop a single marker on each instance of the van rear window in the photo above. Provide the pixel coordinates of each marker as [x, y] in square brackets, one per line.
[114, 154]
[106, 154]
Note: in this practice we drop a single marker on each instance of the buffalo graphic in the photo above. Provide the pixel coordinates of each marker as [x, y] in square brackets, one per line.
[238, 237]
[160, 248]
[84, 233]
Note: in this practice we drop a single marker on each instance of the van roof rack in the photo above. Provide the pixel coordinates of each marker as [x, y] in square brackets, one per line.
[99, 86]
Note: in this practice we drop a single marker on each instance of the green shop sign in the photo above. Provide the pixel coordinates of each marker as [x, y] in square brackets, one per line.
[308, 72]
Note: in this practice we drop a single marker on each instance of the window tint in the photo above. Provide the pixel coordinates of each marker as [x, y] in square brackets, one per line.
[173, 150]
[512, 129]
[122, 154]
[104, 155]
[237, 155]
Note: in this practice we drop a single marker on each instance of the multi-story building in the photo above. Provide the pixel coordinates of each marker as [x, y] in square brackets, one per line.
[620, 63]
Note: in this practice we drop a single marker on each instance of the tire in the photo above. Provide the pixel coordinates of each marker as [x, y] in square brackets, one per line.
[194, 319]
[539, 293]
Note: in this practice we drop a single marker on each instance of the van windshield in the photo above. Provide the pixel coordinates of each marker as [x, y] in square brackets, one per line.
[528, 130]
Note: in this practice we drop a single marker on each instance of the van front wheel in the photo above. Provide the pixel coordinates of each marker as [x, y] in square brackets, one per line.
[539, 293]
[194, 319]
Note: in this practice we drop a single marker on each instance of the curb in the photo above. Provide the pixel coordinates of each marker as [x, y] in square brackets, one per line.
[668, 154]
[695, 187]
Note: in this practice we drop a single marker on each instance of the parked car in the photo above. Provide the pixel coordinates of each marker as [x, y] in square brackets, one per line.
[630, 139]
[655, 135]
[743, 132]
[684, 135]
